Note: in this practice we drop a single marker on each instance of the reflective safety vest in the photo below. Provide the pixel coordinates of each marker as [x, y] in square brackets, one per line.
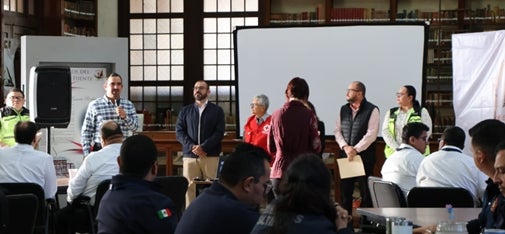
[9, 119]
[414, 115]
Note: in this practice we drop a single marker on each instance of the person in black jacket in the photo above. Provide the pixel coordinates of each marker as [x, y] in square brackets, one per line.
[304, 204]
[134, 203]
[200, 129]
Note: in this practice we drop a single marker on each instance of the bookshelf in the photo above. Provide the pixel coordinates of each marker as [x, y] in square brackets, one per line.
[446, 17]
[78, 18]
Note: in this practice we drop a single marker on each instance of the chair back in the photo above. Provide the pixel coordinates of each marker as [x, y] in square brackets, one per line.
[388, 194]
[44, 211]
[84, 215]
[100, 191]
[174, 187]
[373, 196]
[439, 197]
[22, 210]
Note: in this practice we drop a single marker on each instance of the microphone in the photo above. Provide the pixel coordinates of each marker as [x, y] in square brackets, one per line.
[117, 102]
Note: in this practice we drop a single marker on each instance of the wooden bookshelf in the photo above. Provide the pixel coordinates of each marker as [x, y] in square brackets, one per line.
[78, 18]
[446, 17]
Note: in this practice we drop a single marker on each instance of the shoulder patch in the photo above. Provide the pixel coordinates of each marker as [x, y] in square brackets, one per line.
[164, 213]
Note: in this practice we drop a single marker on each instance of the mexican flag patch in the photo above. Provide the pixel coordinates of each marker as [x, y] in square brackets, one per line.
[164, 213]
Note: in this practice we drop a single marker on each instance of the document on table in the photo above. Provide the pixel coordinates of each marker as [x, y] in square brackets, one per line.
[352, 168]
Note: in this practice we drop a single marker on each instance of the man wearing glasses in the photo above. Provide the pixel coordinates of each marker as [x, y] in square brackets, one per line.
[402, 166]
[12, 113]
[356, 131]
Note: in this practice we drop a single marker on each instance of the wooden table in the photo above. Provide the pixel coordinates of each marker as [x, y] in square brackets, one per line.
[419, 216]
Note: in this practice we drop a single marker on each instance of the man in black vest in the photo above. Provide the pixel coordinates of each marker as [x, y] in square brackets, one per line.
[355, 133]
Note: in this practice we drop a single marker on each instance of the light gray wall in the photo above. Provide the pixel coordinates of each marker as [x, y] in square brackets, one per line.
[36, 49]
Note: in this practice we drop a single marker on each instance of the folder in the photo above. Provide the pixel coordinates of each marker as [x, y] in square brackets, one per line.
[349, 169]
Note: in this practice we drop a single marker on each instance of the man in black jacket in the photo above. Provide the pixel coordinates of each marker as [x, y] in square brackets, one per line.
[200, 129]
[356, 132]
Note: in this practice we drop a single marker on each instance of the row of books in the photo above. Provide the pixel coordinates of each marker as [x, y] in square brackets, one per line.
[72, 30]
[79, 7]
[491, 14]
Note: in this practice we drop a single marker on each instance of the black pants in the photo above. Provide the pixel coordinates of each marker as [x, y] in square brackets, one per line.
[347, 189]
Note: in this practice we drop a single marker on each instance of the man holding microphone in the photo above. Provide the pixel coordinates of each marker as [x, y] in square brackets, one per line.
[109, 107]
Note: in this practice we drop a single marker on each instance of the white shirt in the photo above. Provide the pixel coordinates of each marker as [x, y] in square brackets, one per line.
[21, 163]
[449, 167]
[401, 167]
[97, 166]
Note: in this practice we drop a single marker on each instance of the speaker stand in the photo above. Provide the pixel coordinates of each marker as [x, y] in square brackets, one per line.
[48, 140]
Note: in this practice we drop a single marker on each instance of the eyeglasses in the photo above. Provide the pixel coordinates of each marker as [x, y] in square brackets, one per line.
[424, 138]
[252, 105]
[16, 98]
[199, 88]
[354, 90]
[400, 94]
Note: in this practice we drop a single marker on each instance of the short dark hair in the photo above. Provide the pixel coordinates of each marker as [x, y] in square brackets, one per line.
[25, 131]
[245, 161]
[113, 74]
[298, 88]
[500, 146]
[454, 136]
[110, 129]
[486, 135]
[138, 154]
[15, 90]
[414, 129]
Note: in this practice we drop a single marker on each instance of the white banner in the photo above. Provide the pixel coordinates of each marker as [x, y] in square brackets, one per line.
[478, 77]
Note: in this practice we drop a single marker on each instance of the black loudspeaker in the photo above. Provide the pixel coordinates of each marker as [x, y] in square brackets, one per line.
[50, 96]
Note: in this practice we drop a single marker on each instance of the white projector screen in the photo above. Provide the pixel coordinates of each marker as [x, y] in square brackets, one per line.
[383, 57]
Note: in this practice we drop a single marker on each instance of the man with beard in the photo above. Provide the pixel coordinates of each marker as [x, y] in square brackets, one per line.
[355, 132]
[200, 129]
[109, 107]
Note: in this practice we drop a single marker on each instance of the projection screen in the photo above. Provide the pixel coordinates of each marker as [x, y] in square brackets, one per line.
[383, 57]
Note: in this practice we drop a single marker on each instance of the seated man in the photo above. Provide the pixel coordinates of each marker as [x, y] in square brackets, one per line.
[134, 204]
[485, 138]
[449, 167]
[97, 166]
[401, 166]
[22, 163]
[231, 205]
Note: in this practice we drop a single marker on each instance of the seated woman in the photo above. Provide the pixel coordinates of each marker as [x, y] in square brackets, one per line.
[304, 204]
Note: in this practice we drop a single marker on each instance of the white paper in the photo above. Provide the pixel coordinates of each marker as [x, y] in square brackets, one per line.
[352, 168]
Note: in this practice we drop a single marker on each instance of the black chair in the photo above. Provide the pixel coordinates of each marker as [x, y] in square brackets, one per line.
[22, 211]
[439, 197]
[388, 194]
[174, 187]
[45, 206]
[87, 213]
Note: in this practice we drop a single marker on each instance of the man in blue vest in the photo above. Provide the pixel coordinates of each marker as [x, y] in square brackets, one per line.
[355, 133]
